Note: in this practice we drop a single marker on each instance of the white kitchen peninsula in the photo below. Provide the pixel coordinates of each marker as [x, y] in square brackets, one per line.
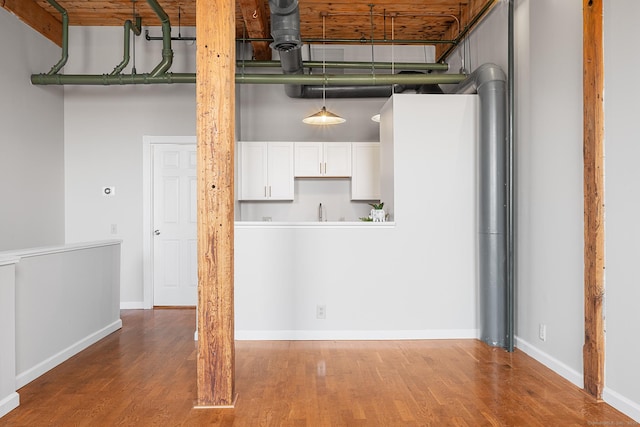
[411, 278]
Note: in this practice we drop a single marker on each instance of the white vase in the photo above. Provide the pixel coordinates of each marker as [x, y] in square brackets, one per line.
[377, 215]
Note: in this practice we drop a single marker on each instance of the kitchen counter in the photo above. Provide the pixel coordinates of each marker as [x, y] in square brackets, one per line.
[314, 224]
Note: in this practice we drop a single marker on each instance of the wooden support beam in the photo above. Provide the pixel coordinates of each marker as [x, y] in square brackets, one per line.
[593, 351]
[256, 21]
[215, 100]
[37, 18]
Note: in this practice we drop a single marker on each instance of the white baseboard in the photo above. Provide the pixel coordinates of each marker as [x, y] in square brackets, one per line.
[132, 305]
[622, 404]
[31, 374]
[301, 335]
[9, 403]
[552, 363]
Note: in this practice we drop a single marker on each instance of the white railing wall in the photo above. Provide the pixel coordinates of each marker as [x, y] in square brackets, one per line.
[66, 298]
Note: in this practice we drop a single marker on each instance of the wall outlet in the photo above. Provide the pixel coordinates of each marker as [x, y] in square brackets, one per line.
[114, 228]
[542, 332]
[321, 311]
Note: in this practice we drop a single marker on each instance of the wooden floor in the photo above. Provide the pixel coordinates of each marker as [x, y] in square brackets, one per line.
[144, 375]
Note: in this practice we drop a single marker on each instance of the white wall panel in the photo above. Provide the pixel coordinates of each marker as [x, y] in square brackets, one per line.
[31, 143]
[623, 206]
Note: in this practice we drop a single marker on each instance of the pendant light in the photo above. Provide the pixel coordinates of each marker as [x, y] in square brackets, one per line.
[323, 117]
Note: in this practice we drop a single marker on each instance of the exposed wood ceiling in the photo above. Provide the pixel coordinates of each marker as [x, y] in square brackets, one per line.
[355, 20]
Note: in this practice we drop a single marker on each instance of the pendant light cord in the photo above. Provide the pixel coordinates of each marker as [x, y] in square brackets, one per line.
[324, 60]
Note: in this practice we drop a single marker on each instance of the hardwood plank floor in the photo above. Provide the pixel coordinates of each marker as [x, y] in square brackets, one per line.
[145, 375]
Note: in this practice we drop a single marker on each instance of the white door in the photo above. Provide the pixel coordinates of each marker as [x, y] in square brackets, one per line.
[175, 257]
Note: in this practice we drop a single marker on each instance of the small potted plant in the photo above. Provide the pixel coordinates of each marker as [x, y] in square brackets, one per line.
[377, 213]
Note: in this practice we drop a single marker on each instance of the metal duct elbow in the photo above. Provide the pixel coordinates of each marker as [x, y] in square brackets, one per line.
[285, 25]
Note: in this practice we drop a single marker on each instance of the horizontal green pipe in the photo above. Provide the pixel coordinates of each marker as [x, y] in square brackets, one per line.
[350, 79]
[352, 65]
[296, 79]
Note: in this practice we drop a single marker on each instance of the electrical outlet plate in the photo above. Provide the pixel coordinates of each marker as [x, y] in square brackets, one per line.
[321, 311]
[542, 332]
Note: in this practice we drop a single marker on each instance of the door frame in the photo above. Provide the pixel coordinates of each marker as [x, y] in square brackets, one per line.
[148, 142]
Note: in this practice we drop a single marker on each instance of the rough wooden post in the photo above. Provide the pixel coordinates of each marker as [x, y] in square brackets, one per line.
[215, 99]
[593, 351]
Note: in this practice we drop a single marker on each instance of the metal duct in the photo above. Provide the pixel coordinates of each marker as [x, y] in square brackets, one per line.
[488, 81]
[285, 30]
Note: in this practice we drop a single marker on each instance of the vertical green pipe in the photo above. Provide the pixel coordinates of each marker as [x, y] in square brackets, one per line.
[128, 27]
[65, 37]
[167, 52]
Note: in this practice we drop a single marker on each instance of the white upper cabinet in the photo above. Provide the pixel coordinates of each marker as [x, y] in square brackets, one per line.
[365, 181]
[322, 159]
[266, 171]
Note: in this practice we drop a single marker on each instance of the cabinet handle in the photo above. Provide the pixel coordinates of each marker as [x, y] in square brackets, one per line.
[320, 168]
[265, 191]
[325, 168]
[269, 191]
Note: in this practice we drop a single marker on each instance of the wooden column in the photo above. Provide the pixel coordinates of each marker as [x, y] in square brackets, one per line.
[593, 351]
[215, 100]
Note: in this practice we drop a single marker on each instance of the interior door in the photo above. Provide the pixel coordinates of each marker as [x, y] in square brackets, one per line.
[175, 258]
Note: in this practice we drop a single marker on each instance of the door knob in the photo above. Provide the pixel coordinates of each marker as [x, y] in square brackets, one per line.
[156, 232]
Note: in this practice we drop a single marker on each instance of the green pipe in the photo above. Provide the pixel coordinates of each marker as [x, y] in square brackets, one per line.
[319, 79]
[167, 52]
[352, 65]
[128, 27]
[65, 37]
[350, 79]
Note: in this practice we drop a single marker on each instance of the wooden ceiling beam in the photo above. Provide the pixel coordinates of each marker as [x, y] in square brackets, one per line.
[256, 22]
[36, 17]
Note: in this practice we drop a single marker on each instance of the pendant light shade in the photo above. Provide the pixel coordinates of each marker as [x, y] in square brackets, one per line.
[323, 117]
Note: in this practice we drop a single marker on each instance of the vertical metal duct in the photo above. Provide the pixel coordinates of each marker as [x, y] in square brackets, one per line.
[488, 81]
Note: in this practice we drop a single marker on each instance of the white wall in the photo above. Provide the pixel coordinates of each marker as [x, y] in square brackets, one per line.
[549, 211]
[104, 128]
[31, 144]
[550, 229]
[549, 206]
[417, 279]
[623, 206]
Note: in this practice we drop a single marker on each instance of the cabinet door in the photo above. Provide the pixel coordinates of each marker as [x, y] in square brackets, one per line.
[280, 171]
[337, 159]
[308, 159]
[365, 181]
[253, 171]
